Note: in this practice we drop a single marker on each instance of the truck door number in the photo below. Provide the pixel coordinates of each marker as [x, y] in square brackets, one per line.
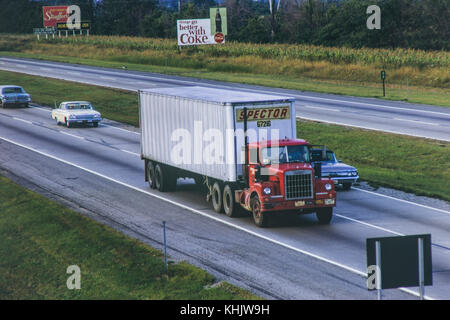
[263, 123]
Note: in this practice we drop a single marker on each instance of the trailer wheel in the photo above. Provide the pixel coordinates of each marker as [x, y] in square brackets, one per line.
[217, 199]
[230, 207]
[324, 215]
[346, 186]
[164, 180]
[261, 218]
[151, 175]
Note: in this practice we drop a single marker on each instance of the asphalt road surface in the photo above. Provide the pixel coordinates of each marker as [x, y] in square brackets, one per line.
[98, 172]
[397, 117]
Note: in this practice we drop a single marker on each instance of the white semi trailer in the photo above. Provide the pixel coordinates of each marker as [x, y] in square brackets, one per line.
[241, 144]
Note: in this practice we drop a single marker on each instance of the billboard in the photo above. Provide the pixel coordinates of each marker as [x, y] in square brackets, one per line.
[218, 20]
[196, 32]
[54, 14]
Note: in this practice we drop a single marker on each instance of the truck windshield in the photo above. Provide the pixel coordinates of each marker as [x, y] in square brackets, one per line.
[285, 154]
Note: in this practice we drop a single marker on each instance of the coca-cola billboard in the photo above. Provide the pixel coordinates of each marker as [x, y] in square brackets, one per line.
[196, 32]
[54, 14]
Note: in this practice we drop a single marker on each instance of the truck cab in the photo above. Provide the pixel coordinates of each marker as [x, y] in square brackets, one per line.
[281, 178]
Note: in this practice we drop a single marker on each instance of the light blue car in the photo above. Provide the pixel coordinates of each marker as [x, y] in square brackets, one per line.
[333, 168]
[13, 96]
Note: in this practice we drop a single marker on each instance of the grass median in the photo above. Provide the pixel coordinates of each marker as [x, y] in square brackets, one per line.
[406, 163]
[412, 75]
[39, 239]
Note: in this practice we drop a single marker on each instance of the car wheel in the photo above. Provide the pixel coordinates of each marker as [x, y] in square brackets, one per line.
[346, 186]
[217, 198]
[95, 124]
[260, 218]
[324, 215]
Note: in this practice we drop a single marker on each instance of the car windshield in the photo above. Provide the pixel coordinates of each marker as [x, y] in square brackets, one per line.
[12, 90]
[316, 155]
[82, 106]
[285, 154]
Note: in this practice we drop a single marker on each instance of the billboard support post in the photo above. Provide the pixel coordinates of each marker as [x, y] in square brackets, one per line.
[378, 269]
[421, 269]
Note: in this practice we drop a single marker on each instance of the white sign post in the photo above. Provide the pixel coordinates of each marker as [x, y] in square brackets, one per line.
[196, 32]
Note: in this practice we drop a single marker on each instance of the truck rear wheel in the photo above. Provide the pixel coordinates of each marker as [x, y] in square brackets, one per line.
[164, 180]
[230, 207]
[260, 218]
[151, 175]
[324, 215]
[217, 199]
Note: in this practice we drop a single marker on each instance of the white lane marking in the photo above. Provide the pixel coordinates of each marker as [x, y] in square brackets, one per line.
[23, 120]
[107, 78]
[117, 128]
[45, 69]
[74, 73]
[374, 129]
[307, 253]
[133, 153]
[322, 108]
[401, 200]
[71, 135]
[417, 121]
[368, 224]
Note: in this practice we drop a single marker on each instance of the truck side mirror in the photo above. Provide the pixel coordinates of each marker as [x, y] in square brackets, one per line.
[318, 169]
[257, 173]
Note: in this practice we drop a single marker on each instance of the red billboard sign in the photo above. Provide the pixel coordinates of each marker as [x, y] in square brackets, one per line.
[54, 14]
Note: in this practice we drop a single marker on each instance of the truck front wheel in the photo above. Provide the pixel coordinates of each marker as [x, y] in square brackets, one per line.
[217, 199]
[324, 215]
[261, 218]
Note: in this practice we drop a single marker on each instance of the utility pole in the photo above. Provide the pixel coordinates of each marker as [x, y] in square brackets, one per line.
[179, 5]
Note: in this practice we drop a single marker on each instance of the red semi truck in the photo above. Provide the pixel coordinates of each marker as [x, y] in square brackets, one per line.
[241, 145]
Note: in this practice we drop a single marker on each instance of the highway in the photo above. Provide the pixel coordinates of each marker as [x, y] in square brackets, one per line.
[431, 122]
[98, 172]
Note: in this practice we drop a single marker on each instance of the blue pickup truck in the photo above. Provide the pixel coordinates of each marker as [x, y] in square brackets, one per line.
[333, 168]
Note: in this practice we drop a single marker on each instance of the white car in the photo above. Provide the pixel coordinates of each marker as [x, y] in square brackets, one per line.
[76, 112]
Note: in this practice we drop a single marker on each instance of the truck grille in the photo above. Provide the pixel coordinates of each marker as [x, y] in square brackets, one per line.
[298, 184]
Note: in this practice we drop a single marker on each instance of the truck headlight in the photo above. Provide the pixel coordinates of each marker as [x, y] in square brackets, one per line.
[328, 187]
[354, 173]
[267, 190]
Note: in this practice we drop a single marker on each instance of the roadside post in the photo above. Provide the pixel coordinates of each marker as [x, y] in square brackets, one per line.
[378, 268]
[165, 247]
[401, 261]
[383, 78]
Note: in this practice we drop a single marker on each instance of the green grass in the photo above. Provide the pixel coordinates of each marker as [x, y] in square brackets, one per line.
[405, 163]
[420, 166]
[39, 239]
[113, 104]
[328, 70]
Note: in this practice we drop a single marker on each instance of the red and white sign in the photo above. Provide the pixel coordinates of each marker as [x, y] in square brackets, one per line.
[196, 32]
[54, 14]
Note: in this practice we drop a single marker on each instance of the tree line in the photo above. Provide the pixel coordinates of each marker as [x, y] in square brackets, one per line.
[421, 24]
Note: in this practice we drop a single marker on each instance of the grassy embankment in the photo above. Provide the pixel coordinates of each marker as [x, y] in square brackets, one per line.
[39, 239]
[406, 163]
[311, 68]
